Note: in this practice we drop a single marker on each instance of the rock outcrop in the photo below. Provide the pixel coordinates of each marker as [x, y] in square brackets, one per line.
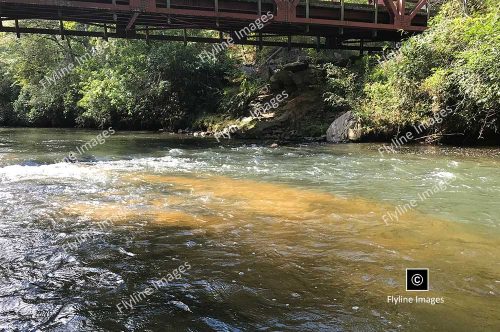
[295, 77]
[300, 112]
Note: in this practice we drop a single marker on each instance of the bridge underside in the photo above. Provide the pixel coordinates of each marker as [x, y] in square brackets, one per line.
[337, 23]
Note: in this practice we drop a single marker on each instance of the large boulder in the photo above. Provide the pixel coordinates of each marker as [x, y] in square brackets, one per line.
[294, 80]
[303, 78]
[282, 79]
[345, 128]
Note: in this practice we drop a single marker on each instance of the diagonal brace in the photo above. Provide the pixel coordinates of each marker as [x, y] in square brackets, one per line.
[419, 6]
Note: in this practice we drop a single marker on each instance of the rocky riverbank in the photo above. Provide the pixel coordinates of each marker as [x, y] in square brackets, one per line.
[290, 107]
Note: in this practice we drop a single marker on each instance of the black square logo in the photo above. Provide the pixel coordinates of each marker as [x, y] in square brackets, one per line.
[417, 279]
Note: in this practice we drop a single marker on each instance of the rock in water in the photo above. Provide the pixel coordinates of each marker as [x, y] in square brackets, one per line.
[343, 129]
[180, 305]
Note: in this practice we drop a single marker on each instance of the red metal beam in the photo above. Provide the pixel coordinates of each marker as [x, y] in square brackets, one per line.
[391, 8]
[414, 12]
[132, 21]
[366, 25]
[71, 4]
[398, 13]
[286, 13]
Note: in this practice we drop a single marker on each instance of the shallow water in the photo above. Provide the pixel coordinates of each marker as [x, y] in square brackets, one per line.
[285, 239]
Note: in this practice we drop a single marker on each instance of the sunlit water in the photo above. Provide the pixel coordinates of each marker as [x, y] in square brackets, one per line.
[285, 239]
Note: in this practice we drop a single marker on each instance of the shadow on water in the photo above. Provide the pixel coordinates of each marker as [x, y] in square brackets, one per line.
[204, 297]
[226, 289]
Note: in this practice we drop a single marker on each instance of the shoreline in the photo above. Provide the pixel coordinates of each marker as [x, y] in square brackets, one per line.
[206, 135]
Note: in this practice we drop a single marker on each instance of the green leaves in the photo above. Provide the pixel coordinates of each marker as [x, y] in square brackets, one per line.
[94, 83]
[341, 87]
[456, 63]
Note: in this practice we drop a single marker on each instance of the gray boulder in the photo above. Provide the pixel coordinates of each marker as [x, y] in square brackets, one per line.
[345, 128]
[296, 67]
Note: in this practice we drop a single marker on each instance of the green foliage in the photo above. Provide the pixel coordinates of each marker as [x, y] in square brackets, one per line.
[8, 93]
[454, 64]
[340, 88]
[238, 95]
[121, 83]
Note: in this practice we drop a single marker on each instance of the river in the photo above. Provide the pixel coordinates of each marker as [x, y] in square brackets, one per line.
[306, 237]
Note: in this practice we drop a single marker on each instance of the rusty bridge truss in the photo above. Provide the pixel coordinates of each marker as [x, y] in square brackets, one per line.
[334, 25]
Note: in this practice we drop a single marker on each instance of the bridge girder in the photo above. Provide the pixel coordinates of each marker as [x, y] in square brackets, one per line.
[291, 17]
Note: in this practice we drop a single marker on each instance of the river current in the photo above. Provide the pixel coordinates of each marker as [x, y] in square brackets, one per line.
[160, 232]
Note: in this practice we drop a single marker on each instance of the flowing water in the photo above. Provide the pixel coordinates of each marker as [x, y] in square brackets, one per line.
[295, 238]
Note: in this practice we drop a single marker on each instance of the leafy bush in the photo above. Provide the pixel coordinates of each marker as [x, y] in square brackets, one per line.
[126, 84]
[453, 64]
[340, 87]
[239, 94]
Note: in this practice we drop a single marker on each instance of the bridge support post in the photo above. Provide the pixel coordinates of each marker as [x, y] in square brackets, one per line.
[105, 32]
[286, 10]
[307, 14]
[216, 8]
[115, 17]
[18, 34]
[168, 7]
[61, 29]
[398, 12]
[61, 24]
[342, 14]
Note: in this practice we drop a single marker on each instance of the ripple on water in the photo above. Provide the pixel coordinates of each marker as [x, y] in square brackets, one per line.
[254, 246]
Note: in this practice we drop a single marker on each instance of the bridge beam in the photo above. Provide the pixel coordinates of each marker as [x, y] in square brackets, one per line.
[398, 13]
[184, 38]
[132, 20]
[419, 6]
[231, 14]
[286, 10]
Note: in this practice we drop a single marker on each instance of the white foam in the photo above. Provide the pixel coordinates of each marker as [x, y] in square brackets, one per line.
[96, 172]
[154, 164]
[443, 175]
[14, 173]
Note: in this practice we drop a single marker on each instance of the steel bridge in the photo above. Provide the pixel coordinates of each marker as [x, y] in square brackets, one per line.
[335, 25]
